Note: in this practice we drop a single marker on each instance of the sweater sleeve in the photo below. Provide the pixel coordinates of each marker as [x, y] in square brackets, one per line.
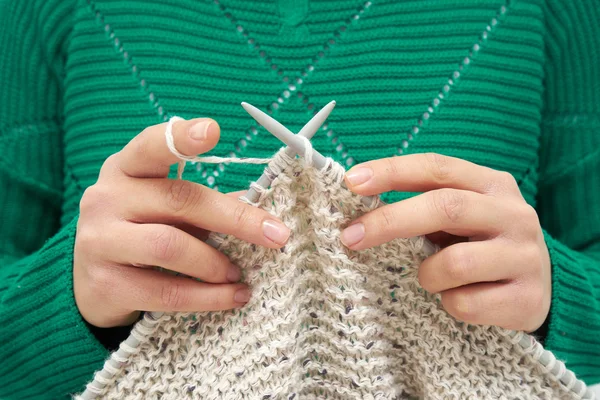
[47, 351]
[569, 184]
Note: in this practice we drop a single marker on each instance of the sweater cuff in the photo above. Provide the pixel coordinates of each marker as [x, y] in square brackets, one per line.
[47, 349]
[574, 315]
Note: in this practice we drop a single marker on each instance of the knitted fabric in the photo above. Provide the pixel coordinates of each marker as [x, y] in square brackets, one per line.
[327, 322]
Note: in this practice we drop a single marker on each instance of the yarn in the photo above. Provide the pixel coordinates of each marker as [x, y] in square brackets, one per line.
[208, 159]
[330, 323]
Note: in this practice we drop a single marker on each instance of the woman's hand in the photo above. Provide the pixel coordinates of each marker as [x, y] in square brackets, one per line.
[134, 217]
[496, 269]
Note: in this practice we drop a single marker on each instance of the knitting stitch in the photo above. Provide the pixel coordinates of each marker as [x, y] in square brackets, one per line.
[328, 322]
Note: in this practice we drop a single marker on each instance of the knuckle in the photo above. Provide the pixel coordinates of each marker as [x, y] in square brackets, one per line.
[92, 198]
[166, 245]
[527, 219]
[86, 238]
[140, 144]
[532, 257]
[502, 182]
[180, 195]
[391, 166]
[507, 179]
[100, 281]
[173, 296]
[387, 218]
[111, 162]
[455, 262]
[438, 167]
[449, 203]
[241, 215]
[530, 214]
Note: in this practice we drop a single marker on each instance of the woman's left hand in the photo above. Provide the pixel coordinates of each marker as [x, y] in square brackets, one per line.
[496, 271]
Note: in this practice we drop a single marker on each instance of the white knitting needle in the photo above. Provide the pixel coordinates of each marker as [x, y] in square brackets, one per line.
[308, 132]
[297, 145]
[294, 143]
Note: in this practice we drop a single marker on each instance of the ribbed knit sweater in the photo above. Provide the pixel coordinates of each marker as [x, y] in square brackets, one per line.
[512, 85]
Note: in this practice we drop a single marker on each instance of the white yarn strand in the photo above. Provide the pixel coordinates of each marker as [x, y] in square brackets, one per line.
[308, 151]
[207, 159]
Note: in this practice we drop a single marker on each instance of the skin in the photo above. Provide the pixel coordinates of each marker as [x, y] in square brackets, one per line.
[493, 268]
[134, 217]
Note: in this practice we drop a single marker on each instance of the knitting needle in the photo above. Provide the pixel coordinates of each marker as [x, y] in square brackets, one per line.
[308, 132]
[297, 145]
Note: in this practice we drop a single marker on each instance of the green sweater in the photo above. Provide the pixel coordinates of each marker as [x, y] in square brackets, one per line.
[512, 85]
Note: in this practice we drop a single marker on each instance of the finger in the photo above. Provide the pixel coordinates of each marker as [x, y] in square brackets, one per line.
[470, 262]
[147, 154]
[170, 248]
[237, 194]
[151, 290]
[457, 212]
[200, 233]
[508, 305]
[169, 201]
[428, 171]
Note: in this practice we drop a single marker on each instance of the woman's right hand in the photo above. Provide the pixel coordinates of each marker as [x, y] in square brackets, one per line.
[134, 217]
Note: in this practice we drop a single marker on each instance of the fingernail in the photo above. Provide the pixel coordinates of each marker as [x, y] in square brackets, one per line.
[358, 176]
[353, 234]
[242, 296]
[234, 274]
[200, 130]
[276, 231]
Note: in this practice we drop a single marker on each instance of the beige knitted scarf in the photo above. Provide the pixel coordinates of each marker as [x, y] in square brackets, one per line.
[325, 322]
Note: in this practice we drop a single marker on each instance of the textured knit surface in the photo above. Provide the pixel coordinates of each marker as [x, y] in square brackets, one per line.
[327, 323]
[514, 90]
